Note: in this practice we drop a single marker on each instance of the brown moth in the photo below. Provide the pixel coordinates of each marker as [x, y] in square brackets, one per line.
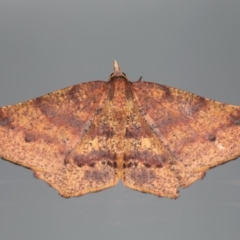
[86, 137]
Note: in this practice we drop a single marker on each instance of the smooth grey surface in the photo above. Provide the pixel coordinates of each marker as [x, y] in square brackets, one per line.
[48, 45]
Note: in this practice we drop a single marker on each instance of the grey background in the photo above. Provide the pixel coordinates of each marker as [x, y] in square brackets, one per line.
[47, 45]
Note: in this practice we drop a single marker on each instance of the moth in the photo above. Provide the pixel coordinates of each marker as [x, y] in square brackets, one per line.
[86, 137]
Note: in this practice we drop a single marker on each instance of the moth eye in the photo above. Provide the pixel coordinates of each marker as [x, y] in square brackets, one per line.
[113, 74]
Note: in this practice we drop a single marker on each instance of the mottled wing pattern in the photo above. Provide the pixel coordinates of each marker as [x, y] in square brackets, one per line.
[147, 164]
[42, 133]
[187, 134]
